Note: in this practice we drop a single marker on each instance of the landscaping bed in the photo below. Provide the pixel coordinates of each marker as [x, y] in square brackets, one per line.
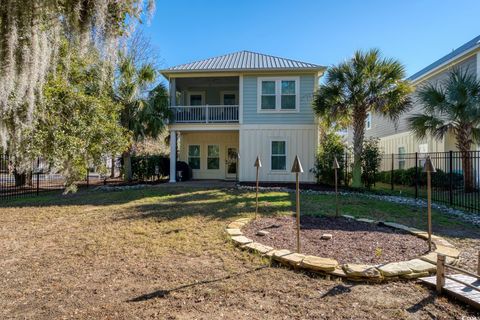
[351, 242]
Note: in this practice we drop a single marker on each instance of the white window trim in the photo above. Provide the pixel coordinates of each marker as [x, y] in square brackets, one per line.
[190, 93]
[199, 156]
[219, 157]
[223, 93]
[286, 156]
[278, 94]
[368, 127]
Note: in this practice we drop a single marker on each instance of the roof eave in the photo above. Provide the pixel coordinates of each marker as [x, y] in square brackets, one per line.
[167, 72]
[420, 76]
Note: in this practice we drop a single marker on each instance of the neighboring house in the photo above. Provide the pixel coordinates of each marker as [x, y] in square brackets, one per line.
[396, 137]
[230, 109]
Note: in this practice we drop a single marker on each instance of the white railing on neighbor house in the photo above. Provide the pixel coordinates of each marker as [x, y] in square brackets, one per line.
[205, 114]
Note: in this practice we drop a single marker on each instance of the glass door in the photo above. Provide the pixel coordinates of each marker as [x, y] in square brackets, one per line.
[231, 163]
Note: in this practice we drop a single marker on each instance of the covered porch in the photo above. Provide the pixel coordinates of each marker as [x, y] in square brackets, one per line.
[211, 154]
[213, 99]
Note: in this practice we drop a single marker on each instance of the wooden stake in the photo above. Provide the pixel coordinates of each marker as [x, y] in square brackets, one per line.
[429, 168]
[297, 168]
[256, 195]
[440, 272]
[298, 213]
[258, 165]
[478, 263]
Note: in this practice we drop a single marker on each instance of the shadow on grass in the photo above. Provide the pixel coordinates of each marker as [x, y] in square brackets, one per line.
[162, 293]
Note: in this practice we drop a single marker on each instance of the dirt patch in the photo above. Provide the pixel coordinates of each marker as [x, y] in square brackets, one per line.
[351, 242]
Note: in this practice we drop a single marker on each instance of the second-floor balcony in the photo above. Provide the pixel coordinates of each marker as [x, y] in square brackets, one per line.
[205, 114]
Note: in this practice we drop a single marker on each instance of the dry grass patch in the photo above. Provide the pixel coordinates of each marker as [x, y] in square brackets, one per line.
[161, 252]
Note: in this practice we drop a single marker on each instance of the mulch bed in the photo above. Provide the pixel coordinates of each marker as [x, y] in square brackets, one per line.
[352, 241]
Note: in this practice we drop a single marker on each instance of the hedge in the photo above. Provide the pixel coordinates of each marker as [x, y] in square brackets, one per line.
[406, 177]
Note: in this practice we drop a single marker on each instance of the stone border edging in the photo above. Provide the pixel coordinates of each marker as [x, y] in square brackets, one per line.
[411, 269]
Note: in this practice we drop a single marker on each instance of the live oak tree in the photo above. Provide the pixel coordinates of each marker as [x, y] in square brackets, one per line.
[365, 83]
[31, 34]
[451, 105]
[78, 123]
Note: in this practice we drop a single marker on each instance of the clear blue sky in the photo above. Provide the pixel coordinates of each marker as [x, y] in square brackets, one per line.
[417, 32]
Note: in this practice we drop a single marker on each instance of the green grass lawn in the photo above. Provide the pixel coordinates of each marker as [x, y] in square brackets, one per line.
[161, 252]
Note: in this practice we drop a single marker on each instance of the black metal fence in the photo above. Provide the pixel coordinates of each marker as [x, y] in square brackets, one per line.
[456, 182]
[39, 176]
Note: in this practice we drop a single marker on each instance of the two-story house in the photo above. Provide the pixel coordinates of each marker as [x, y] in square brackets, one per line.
[230, 109]
[397, 138]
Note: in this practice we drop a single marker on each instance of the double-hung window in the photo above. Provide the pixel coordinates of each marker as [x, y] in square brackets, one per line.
[279, 155]
[269, 96]
[278, 94]
[213, 157]
[194, 156]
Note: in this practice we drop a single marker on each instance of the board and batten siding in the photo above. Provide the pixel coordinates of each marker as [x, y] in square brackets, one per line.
[223, 139]
[304, 116]
[301, 140]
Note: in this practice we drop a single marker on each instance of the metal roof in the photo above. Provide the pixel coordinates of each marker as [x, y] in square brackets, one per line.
[243, 61]
[467, 47]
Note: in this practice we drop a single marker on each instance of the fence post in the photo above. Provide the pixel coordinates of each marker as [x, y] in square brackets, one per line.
[440, 272]
[38, 175]
[451, 179]
[88, 182]
[391, 173]
[416, 175]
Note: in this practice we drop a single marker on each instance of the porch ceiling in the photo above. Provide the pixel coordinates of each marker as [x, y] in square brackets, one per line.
[183, 83]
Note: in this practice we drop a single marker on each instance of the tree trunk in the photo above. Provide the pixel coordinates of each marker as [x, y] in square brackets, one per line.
[20, 178]
[359, 116]
[468, 179]
[127, 166]
[464, 144]
[112, 169]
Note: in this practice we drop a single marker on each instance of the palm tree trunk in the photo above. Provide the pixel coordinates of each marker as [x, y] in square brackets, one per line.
[359, 117]
[467, 172]
[464, 144]
[127, 166]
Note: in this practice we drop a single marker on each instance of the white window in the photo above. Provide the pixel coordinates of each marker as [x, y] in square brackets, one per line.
[213, 157]
[401, 158]
[368, 121]
[279, 155]
[278, 94]
[194, 156]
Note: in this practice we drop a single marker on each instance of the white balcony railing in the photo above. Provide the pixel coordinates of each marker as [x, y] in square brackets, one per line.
[205, 114]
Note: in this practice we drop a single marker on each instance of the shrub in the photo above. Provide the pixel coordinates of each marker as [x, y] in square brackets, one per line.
[440, 179]
[150, 166]
[332, 146]
[371, 160]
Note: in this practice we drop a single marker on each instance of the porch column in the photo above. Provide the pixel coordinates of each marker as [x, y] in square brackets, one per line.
[173, 155]
[173, 92]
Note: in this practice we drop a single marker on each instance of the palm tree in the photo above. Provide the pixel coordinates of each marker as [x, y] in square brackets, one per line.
[452, 105]
[365, 83]
[144, 113]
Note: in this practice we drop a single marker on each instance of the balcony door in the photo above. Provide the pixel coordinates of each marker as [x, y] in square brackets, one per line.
[196, 98]
[228, 98]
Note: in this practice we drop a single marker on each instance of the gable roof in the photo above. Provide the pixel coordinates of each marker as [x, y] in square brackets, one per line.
[464, 49]
[243, 61]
